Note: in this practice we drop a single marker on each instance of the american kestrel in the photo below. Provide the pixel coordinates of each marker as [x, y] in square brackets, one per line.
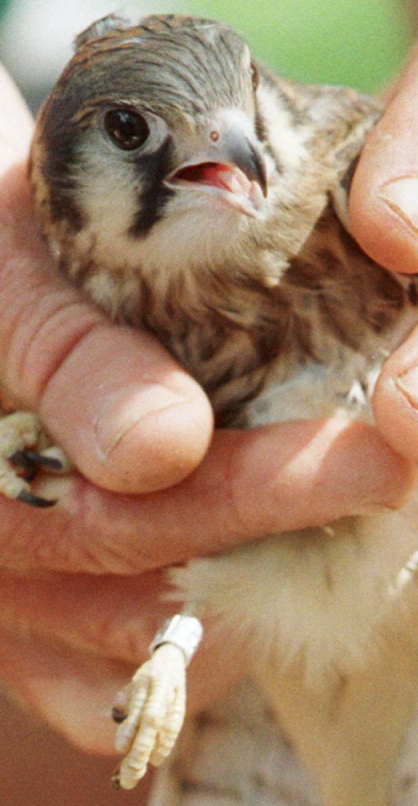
[191, 192]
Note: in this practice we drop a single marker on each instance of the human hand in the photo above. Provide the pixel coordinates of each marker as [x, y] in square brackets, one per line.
[80, 585]
[384, 217]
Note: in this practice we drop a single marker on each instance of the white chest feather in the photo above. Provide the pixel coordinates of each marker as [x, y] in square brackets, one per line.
[321, 594]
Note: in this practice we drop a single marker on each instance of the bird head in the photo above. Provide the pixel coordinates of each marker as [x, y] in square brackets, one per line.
[148, 145]
[165, 155]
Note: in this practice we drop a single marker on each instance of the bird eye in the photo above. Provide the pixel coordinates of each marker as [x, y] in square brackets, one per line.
[127, 129]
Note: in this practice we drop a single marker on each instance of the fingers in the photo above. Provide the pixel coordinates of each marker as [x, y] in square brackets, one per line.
[70, 690]
[110, 616]
[384, 194]
[127, 415]
[384, 216]
[38, 766]
[396, 399]
[70, 675]
[281, 477]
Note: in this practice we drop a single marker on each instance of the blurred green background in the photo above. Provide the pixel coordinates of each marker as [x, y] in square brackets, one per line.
[357, 42]
[361, 43]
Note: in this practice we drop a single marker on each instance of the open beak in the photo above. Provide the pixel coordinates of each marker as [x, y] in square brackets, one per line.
[232, 171]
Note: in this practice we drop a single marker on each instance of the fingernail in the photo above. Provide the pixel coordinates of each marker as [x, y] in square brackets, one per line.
[407, 383]
[123, 410]
[401, 195]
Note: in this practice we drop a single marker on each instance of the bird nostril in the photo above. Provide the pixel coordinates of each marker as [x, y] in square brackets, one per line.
[214, 136]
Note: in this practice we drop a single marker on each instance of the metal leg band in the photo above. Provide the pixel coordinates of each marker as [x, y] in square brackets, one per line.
[183, 631]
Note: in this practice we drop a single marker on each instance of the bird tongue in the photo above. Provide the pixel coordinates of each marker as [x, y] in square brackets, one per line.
[215, 174]
[228, 182]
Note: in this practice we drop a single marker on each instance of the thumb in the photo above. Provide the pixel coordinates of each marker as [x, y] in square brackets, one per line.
[384, 217]
[121, 408]
[384, 194]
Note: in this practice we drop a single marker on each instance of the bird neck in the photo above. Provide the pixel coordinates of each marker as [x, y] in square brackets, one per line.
[229, 323]
[224, 328]
[230, 328]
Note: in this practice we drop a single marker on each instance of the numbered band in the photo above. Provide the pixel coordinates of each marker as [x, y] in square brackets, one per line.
[183, 631]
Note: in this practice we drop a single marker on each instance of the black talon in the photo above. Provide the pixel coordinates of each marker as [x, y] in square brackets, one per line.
[115, 779]
[49, 462]
[35, 500]
[22, 459]
[118, 715]
[30, 460]
[24, 464]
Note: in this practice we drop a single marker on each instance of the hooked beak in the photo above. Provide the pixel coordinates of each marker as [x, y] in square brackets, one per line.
[232, 171]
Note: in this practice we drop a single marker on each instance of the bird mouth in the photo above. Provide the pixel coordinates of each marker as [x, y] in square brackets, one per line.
[228, 183]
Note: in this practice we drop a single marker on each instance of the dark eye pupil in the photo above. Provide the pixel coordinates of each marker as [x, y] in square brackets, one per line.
[127, 130]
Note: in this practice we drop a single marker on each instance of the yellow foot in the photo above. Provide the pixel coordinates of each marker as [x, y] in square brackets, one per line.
[24, 450]
[151, 712]
[151, 708]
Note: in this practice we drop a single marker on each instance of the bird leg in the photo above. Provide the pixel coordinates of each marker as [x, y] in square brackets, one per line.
[151, 708]
[24, 450]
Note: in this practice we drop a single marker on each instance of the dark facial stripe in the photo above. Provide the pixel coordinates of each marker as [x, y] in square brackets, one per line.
[56, 167]
[153, 196]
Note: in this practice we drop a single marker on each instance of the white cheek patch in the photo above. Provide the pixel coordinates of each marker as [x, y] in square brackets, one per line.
[285, 141]
[194, 234]
[194, 229]
[108, 191]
